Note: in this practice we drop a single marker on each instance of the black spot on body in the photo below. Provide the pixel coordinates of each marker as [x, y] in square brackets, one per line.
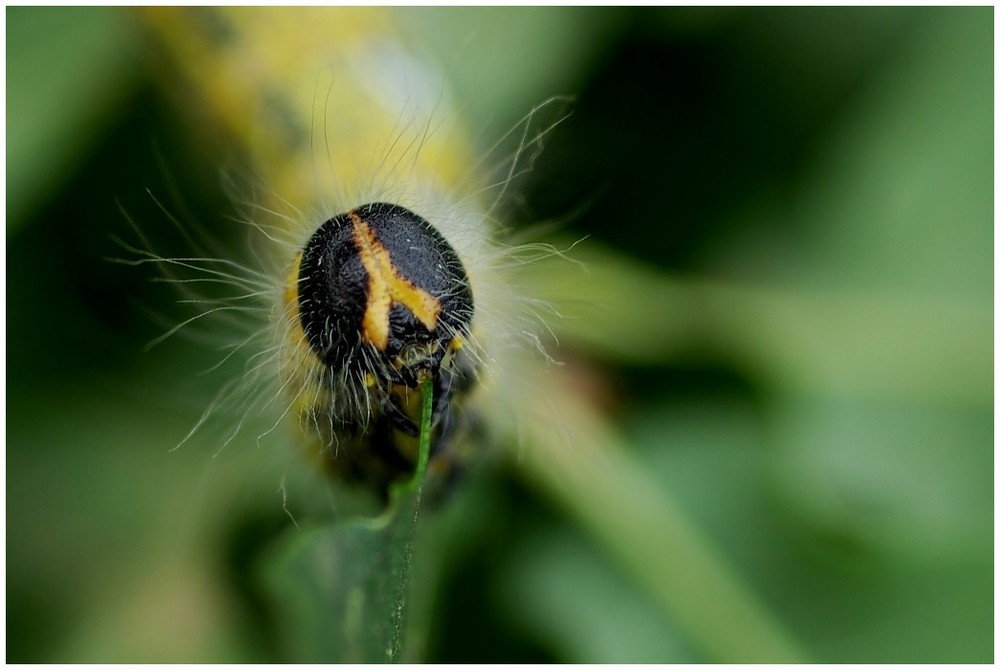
[213, 26]
[280, 112]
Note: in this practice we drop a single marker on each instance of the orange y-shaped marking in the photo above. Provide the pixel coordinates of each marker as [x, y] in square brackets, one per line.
[386, 287]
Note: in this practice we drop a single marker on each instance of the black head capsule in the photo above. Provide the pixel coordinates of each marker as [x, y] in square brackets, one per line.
[380, 291]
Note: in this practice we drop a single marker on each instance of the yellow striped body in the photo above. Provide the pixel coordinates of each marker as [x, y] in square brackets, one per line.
[325, 102]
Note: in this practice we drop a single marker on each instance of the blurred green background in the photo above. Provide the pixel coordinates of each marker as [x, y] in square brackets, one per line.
[828, 171]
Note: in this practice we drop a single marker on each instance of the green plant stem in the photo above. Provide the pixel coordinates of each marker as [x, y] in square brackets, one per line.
[402, 493]
[403, 512]
[427, 409]
[581, 464]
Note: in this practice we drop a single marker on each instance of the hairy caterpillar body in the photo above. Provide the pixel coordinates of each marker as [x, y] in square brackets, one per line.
[382, 267]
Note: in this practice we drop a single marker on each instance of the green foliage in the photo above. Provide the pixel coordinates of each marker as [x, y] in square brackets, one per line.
[70, 69]
[343, 590]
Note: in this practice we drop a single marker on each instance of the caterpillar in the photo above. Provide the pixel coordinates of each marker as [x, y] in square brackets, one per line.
[382, 264]
[347, 127]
